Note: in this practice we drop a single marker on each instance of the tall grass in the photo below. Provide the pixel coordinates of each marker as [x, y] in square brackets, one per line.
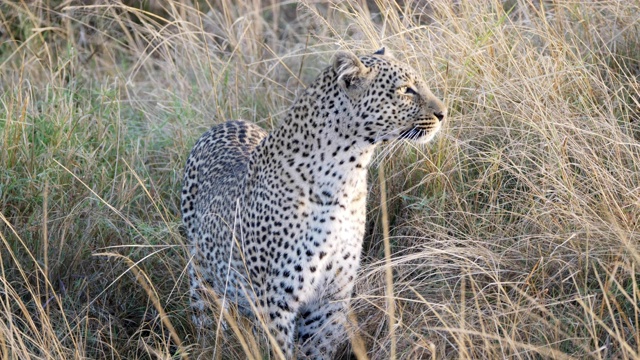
[516, 234]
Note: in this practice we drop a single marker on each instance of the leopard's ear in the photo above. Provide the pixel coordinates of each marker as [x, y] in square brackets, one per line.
[384, 52]
[350, 70]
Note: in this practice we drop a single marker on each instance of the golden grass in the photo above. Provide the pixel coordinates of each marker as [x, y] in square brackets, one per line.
[515, 234]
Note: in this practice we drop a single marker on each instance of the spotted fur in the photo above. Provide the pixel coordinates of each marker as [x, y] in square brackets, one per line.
[276, 221]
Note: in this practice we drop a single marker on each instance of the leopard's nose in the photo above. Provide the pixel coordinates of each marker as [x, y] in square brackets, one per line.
[439, 115]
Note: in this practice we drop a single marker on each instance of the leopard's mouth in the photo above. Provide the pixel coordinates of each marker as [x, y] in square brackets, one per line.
[415, 133]
[420, 133]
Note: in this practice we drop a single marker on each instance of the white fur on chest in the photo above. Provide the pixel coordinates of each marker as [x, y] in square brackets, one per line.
[334, 234]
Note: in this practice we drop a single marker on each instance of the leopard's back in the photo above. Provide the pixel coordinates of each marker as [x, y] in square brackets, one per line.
[213, 183]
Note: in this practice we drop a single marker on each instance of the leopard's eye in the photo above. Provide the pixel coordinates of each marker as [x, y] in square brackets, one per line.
[407, 90]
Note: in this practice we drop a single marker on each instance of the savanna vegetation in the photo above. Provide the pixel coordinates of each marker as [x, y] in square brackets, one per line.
[515, 234]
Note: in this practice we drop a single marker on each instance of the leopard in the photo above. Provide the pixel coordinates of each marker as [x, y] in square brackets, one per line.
[275, 221]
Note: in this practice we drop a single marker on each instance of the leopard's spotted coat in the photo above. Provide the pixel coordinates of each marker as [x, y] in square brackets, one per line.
[278, 219]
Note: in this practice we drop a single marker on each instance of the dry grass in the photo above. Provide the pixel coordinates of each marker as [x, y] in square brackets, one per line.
[516, 234]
